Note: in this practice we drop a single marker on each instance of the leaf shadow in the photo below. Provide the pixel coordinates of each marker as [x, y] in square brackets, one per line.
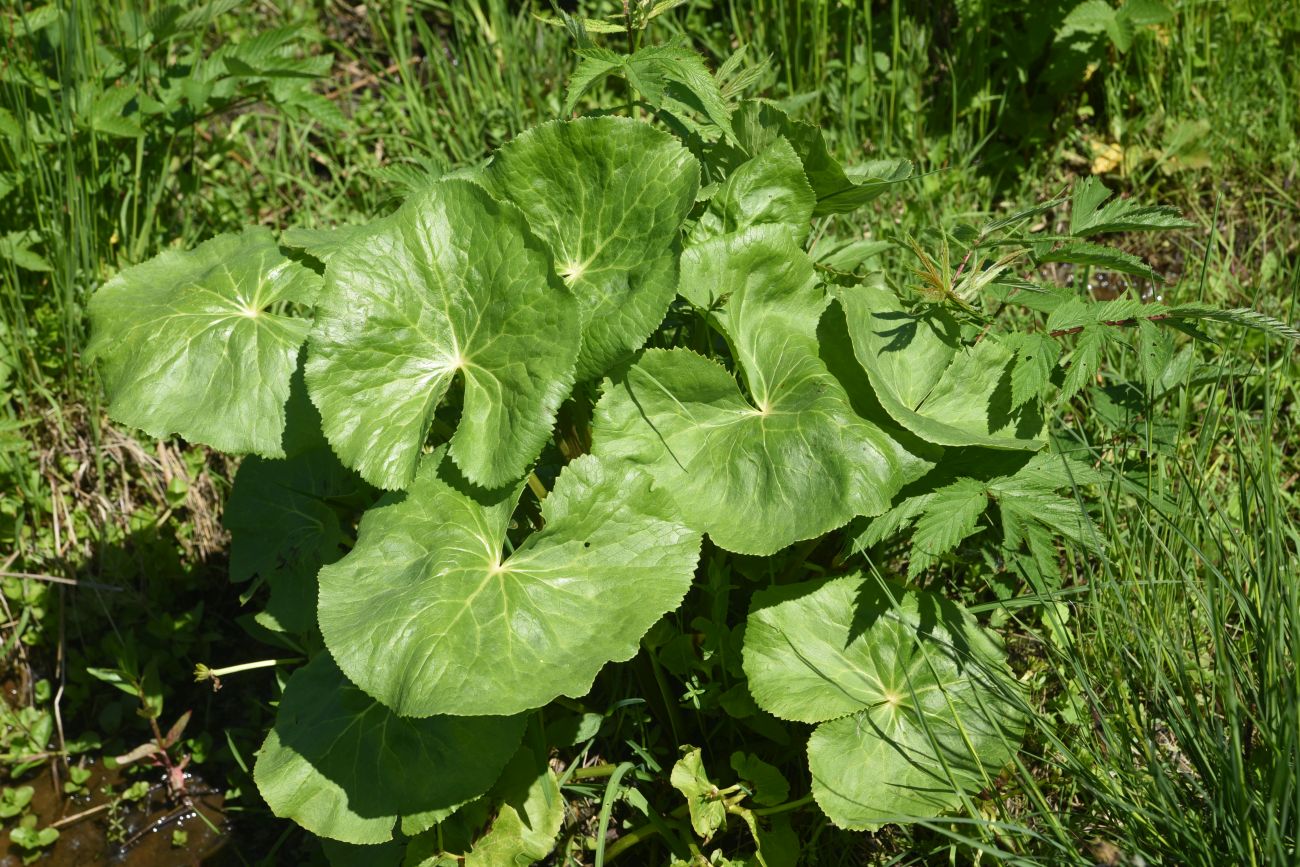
[835, 349]
[937, 612]
[374, 756]
[1026, 418]
[621, 375]
[938, 321]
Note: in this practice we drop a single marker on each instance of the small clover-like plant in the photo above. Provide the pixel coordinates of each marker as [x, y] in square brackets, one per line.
[488, 432]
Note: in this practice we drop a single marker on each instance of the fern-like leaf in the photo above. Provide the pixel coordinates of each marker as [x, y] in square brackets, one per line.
[951, 515]
[1091, 215]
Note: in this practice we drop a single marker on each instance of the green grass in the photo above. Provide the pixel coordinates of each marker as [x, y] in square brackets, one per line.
[1168, 715]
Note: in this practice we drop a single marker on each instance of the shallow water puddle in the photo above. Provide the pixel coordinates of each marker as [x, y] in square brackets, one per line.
[98, 828]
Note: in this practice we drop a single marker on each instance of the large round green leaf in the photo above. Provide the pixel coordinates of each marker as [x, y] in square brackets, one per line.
[916, 701]
[454, 283]
[609, 195]
[428, 616]
[203, 343]
[930, 381]
[790, 461]
[345, 767]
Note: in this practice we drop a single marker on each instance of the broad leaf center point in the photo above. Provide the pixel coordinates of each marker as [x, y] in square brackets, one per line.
[572, 271]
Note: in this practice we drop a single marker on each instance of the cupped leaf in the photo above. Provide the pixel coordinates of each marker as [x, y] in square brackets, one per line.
[916, 703]
[609, 195]
[707, 810]
[930, 381]
[428, 616]
[769, 189]
[287, 518]
[453, 283]
[791, 461]
[203, 343]
[758, 124]
[345, 767]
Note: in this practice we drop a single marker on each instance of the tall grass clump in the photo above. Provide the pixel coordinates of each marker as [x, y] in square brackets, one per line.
[1177, 689]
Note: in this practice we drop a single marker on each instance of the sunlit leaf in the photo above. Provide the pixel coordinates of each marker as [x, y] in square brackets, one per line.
[429, 615]
[769, 189]
[203, 343]
[609, 195]
[758, 124]
[707, 811]
[1091, 214]
[930, 380]
[916, 703]
[789, 459]
[453, 285]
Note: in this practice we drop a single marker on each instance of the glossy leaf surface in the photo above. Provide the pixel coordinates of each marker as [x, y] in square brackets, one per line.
[915, 700]
[609, 195]
[790, 460]
[758, 124]
[428, 615]
[930, 381]
[203, 343]
[769, 189]
[452, 285]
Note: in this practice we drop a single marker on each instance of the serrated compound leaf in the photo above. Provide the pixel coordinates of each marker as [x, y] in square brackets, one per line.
[1089, 216]
[930, 382]
[608, 195]
[685, 67]
[427, 615]
[769, 189]
[1085, 359]
[790, 461]
[758, 124]
[915, 700]
[1243, 317]
[1028, 499]
[287, 517]
[949, 516]
[593, 65]
[203, 343]
[649, 71]
[345, 767]
[1036, 357]
[452, 284]
[1075, 314]
[707, 810]
[1105, 258]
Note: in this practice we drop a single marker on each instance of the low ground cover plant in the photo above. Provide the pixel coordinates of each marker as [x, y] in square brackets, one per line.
[496, 435]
